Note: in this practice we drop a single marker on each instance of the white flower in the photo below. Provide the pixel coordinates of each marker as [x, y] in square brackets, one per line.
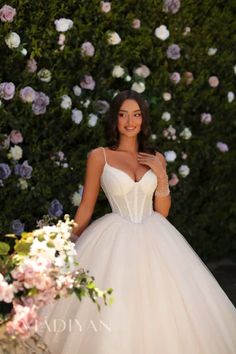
[77, 90]
[166, 96]
[77, 115]
[24, 51]
[76, 199]
[184, 170]
[66, 102]
[22, 184]
[212, 51]
[86, 103]
[153, 136]
[92, 120]
[142, 71]
[170, 155]
[0, 103]
[230, 96]
[166, 116]
[162, 32]
[113, 38]
[138, 87]
[127, 78]
[44, 75]
[186, 133]
[63, 24]
[12, 40]
[118, 71]
[15, 153]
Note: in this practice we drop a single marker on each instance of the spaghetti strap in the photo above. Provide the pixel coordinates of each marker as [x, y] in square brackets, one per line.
[104, 154]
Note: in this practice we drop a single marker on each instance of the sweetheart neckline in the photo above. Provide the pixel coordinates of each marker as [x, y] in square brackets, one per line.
[125, 173]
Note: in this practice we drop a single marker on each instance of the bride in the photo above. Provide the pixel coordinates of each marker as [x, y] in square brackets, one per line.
[166, 301]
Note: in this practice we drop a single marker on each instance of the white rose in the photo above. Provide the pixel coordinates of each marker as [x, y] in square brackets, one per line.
[138, 87]
[76, 199]
[184, 170]
[127, 78]
[92, 120]
[66, 102]
[24, 51]
[12, 40]
[77, 115]
[15, 153]
[166, 96]
[166, 116]
[142, 71]
[86, 103]
[22, 183]
[186, 133]
[113, 38]
[63, 24]
[162, 32]
[77, 90]
[212, 51]
[44, 75]
[170, 155]
[230, 96]
[118, 71]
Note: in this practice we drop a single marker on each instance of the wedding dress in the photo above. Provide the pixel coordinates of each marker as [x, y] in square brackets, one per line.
[166, 301]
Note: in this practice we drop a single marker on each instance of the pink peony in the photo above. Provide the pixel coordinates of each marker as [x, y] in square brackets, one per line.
[87, 49]
[16, 136]
[7, 13]
[87, 82]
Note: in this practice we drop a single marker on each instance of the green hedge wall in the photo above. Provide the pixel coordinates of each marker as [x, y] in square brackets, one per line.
[58, 77]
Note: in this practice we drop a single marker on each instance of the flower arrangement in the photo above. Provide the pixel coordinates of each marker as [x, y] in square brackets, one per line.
[42, 269]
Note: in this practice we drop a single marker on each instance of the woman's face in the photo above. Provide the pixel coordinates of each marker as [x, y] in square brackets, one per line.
[129, 118]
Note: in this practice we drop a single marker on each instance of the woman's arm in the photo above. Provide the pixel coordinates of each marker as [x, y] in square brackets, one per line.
[94, 167]
[162, 204]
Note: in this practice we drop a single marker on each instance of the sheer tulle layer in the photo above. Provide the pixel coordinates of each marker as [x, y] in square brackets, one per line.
[166, 301]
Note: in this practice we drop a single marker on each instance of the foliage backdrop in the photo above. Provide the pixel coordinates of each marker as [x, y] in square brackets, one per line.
[179, 55]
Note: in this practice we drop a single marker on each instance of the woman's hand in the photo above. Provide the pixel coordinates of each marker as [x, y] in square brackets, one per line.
[156, 162]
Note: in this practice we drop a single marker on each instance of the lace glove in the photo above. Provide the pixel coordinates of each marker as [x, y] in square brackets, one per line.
[162, 189]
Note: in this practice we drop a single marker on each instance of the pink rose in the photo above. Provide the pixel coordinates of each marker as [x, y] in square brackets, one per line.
[174, 180]
[206, 118]
[31, 65]
[7, 13]
[136, 23]
[213, 81]
[175, 77]
[87, 49]
[105, 6]
[87, 82]
[16, 136]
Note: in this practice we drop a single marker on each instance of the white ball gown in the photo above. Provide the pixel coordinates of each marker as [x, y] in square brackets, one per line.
[166, 301]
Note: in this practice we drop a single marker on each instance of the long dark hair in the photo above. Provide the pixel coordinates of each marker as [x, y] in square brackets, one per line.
[111, 130]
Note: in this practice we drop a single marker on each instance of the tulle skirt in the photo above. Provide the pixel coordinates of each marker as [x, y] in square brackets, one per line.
[166, 301]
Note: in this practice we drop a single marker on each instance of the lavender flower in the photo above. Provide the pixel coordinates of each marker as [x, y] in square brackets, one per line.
[5, 171]
[222, 146]
[24, 170]
[40, 103]
[27, 94]
[171, 6]
[56, 208]
[173, 52]
[87, 82]
[17, 227]
[7, 90]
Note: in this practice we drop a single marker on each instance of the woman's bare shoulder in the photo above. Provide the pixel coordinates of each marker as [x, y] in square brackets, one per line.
[96, 155]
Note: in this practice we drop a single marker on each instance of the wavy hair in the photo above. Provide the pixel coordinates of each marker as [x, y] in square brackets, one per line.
[111, 130]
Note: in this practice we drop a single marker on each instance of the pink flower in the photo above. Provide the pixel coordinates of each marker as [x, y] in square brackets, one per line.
[105, 6]
[136, 23]
[7, 13]
[16, 136]
[7, 90]
[87, 82]
[206, 118]
[213, 81]
[61, 39]
[31, 65]
[87, 49]
[27, 94]
[174, 179]
[175, 77]
[222, 146]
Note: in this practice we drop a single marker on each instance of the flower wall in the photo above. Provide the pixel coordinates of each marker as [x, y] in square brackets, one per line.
[61, 63]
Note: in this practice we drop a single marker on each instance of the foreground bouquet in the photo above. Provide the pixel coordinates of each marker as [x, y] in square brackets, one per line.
[42, 269]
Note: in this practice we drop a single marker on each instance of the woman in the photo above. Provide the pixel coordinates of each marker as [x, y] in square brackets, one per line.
[166, 301]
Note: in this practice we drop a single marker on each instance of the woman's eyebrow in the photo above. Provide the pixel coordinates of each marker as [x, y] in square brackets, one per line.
[137, 110]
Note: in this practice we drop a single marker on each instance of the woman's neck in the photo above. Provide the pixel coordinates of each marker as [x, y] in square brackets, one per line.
[129, 145]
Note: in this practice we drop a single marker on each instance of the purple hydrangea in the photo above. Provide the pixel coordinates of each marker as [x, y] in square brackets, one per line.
[17, 227]
[173, 52]
[24, 170]
[56, 208]
[5, 171]
[171, 6]
[40, 103]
